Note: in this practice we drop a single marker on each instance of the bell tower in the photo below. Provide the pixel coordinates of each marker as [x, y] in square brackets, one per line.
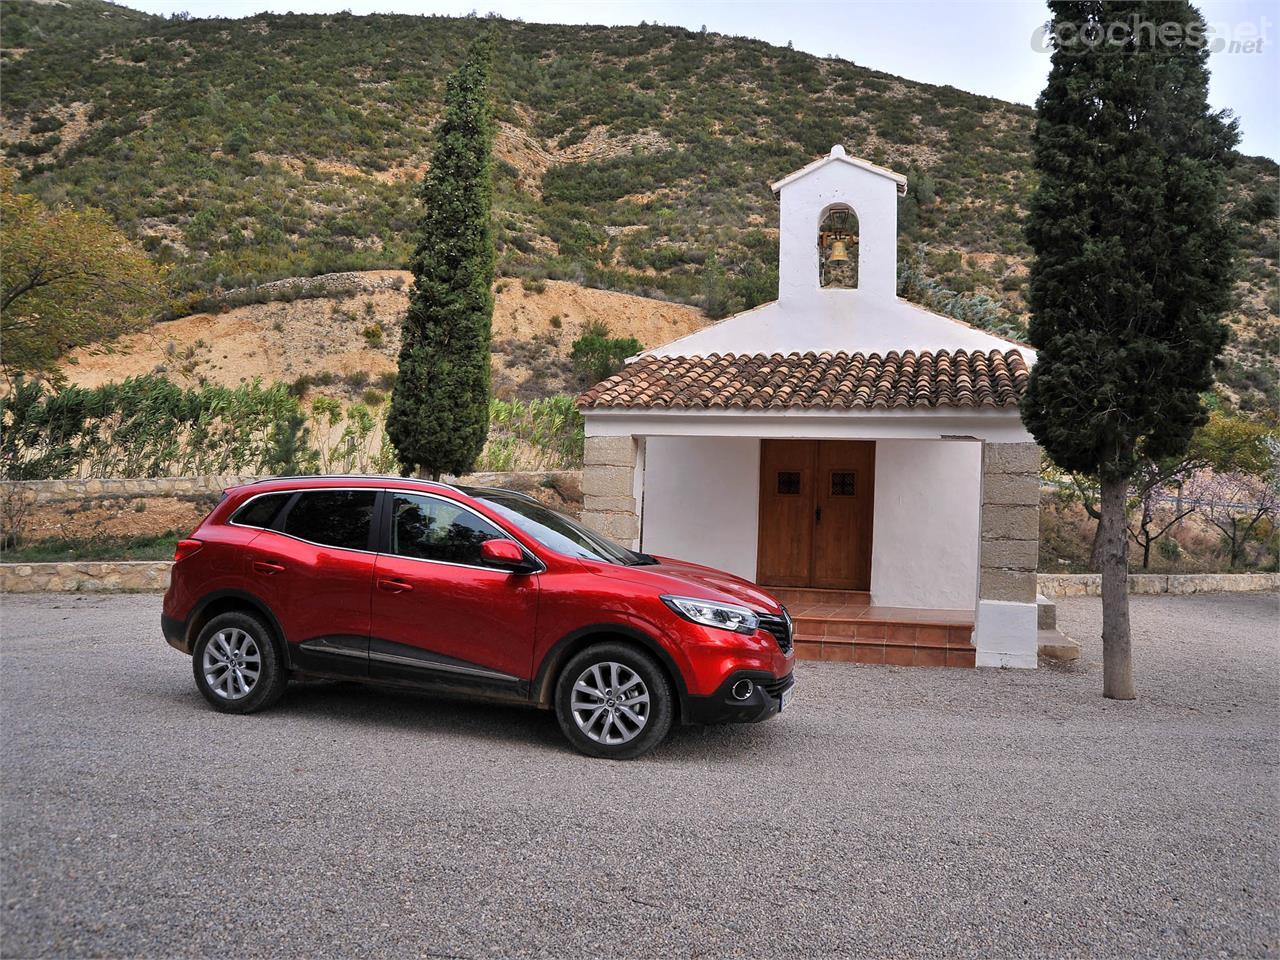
[838, 230]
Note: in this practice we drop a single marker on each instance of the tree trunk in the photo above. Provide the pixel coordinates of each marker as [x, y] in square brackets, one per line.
[1095, 552]
[1117, 664]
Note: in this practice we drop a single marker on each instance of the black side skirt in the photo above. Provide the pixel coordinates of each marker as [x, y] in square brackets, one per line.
[404, 665]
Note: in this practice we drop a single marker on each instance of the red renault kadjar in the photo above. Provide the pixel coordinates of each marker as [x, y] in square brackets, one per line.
[483, 591]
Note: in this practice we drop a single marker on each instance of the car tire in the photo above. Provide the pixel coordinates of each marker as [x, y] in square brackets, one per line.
[230, 648]
[616, 724]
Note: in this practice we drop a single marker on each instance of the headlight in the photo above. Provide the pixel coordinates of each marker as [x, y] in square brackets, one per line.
[726, 616]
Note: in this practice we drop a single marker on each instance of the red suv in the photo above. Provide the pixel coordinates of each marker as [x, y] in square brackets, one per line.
[484, 591]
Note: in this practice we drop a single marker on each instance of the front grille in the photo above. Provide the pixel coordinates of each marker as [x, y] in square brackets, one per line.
[779, 626]
[774, 688]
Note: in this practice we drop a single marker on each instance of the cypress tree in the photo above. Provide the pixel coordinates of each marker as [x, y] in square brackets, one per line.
[1132, 267]
[439, 414]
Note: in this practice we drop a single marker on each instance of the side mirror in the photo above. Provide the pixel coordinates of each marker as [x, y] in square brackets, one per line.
[504, 555]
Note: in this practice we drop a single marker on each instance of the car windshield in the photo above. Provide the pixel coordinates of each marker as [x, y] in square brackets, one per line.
[557, 532]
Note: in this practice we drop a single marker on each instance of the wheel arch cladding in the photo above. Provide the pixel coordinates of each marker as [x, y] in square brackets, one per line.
[570, 646]
[235, 601]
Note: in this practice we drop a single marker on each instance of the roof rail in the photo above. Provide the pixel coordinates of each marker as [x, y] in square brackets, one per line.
[504, 491]
[356, 476]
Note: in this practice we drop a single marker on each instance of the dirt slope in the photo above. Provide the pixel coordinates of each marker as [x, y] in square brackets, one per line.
[354, 338]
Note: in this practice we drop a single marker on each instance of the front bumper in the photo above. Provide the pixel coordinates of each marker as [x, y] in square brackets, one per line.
[723, 707]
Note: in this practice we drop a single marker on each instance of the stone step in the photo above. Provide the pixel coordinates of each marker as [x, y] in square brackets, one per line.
[796, 596]
[885, 631]
[1056, 645]
[898, 654]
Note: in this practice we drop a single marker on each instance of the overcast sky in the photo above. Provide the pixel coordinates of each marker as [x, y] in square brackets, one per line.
[984, 46]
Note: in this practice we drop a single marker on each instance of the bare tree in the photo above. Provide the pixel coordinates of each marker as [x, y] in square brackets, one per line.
[1152, 518]
[1236, 503]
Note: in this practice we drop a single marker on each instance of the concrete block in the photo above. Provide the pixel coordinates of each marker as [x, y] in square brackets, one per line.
[1010, 458]
[608, 481]
[609, 452]
[1012, 488]
[1010, 522]
[609, 504]
[1005, 634]
[1046, 613]
[1013, 586]
[1010, 554]
[622, 527]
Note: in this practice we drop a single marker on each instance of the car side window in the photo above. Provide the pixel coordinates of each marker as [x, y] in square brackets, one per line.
[429, 528]
[261, 511]
[332, 518]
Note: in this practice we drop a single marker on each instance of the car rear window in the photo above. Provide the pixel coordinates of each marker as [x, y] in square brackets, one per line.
[332, 518]
[261, 511]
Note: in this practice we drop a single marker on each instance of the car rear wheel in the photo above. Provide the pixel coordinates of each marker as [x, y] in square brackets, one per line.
[614, 701]
[237, 665]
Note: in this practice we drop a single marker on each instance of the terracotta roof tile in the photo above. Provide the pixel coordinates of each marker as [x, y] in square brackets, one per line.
[822, 381]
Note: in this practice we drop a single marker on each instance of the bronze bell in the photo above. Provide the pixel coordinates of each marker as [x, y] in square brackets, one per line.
[839, 252]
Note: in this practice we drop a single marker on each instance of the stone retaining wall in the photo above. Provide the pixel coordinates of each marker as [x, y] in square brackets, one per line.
[153, 575]
[85, 576]
[1090, 584]
[52, 491]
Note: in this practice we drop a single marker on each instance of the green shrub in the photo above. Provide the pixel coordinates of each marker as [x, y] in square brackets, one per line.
[596, 355]
[143, 427]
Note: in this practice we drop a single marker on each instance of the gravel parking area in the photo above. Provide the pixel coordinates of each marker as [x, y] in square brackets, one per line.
[890, 812]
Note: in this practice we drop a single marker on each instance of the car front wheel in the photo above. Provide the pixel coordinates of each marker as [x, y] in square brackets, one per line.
[614, 701]
[237, 665]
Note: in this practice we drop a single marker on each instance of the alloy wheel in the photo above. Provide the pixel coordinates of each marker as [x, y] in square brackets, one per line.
[610, 703]
[232, 663]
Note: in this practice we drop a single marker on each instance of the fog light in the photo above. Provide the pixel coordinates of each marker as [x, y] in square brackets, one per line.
[743, 689]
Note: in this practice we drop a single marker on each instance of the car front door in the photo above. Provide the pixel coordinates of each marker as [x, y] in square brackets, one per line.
[440, 614]
[315, 568]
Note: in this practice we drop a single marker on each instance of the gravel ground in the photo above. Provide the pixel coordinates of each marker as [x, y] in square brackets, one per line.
[893, 812]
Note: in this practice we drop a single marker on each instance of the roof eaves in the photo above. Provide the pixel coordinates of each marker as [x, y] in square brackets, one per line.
[837, 153]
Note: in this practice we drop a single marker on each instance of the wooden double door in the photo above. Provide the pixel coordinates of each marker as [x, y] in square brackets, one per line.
[816, 505]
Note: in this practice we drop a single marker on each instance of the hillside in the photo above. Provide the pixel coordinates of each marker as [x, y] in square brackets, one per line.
[634, 159]
[345, 345]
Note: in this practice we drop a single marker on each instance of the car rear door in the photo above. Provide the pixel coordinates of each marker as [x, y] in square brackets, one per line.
[441, 615]
[315, 569]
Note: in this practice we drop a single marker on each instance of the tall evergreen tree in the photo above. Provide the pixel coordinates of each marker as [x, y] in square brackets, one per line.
[439, 414]
[1132, 268]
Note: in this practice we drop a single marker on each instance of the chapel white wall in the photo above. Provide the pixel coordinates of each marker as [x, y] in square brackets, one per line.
[926, 527]
[701, 501]
[807, 317]
[874, 200]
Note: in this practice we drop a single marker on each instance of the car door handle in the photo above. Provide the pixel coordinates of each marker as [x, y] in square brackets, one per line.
[268, 567]
[394, 586]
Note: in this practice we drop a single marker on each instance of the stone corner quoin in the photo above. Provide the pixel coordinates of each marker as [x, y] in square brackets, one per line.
[1010, 525]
